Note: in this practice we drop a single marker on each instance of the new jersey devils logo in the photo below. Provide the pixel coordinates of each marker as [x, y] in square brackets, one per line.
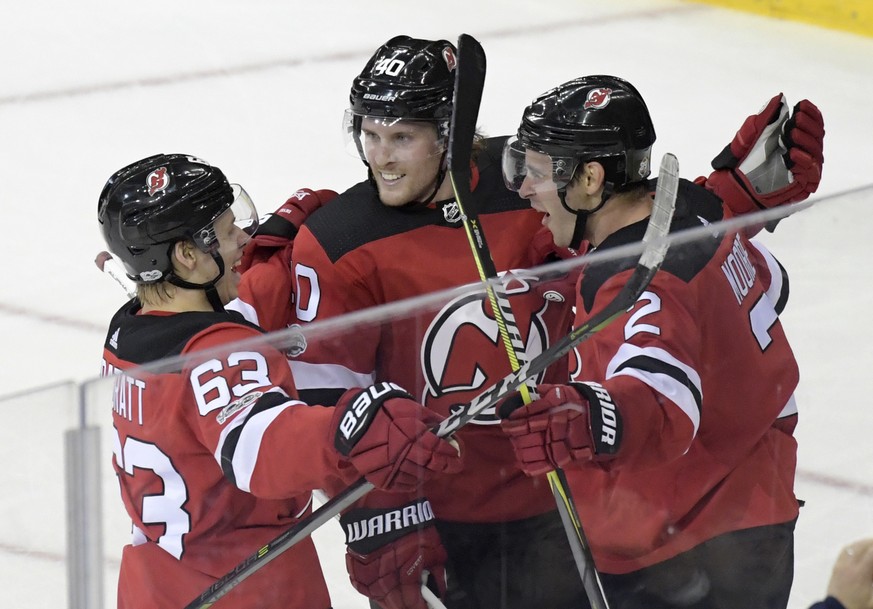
[449, 57]
[463, 353]
[598, 98]
[157, 181]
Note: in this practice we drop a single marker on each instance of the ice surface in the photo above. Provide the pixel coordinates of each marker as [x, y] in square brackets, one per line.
[259, 90]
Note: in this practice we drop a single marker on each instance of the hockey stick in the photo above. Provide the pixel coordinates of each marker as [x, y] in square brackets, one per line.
[469, 83]
[650, 260]
[109, 265]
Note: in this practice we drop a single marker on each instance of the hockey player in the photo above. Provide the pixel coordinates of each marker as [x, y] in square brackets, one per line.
[218, 457]
[676, 428]
[398, 235]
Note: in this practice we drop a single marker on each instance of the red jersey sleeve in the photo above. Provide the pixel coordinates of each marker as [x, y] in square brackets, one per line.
[647, 361]
[691, 349]
[266, 441]
[266, 292]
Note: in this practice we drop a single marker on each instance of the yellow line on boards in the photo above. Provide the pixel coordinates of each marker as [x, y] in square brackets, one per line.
[854, 16]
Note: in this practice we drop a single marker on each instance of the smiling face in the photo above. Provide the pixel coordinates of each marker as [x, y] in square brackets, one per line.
[405, 159]
[231, 241]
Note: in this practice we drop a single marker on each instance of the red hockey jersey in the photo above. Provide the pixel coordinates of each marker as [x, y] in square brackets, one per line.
[213, 460]
[356, 253]
[704, 378]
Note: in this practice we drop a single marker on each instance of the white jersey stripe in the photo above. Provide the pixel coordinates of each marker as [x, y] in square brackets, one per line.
[245, 456]
[790, 408]
[328, 376]
[671, 388]
[774, 290]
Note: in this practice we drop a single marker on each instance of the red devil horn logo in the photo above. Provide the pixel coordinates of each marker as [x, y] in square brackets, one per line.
[157, 181]
[449, 58]
[598, 98]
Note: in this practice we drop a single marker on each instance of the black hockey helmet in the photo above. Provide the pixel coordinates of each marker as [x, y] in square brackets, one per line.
[602, 118]
[148, 206]
[407, 78]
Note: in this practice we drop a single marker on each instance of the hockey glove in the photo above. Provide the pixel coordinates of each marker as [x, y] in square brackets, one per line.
[386, 436]
[389, 549]
[279, 228]
[568, 423]
[772, 160]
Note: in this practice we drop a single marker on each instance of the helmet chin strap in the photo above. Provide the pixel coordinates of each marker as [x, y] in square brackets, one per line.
[211, 292]
[441, 175]
[583, 214]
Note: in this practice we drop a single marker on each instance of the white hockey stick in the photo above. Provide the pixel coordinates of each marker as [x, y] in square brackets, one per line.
[109, 265]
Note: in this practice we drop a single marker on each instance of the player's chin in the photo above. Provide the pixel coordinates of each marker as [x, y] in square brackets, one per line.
[559, 235]
[391, 198]
[230, 284]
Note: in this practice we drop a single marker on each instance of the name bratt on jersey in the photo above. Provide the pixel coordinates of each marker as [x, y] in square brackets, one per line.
[739, 270]
[126, 394]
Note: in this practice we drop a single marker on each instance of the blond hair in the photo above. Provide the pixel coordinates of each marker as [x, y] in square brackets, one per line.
[154, 294]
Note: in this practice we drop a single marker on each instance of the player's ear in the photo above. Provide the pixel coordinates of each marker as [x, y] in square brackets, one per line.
[594, 177]
[184, 257]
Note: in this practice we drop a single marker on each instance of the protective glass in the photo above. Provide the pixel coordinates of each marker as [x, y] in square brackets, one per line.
[536, 170]
[245, 217]
[366, 136]
[244, 212]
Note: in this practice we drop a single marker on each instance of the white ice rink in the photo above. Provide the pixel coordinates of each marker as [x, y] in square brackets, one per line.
[259, 89]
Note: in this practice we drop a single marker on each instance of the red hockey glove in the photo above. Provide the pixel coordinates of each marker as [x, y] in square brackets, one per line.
[575, 422]
[386, 436]
[389, 549]
[773, 159]
[280, 227]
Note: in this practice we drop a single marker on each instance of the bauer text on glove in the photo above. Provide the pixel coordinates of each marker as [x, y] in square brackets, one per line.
[387, 437]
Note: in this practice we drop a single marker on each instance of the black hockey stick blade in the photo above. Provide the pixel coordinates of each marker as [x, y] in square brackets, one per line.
[469, 84]
[650, 261]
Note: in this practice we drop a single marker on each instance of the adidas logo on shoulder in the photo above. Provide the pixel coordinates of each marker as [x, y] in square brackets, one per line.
[113, 340]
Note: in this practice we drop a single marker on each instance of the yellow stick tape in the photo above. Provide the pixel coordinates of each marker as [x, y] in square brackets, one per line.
[854, 16]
